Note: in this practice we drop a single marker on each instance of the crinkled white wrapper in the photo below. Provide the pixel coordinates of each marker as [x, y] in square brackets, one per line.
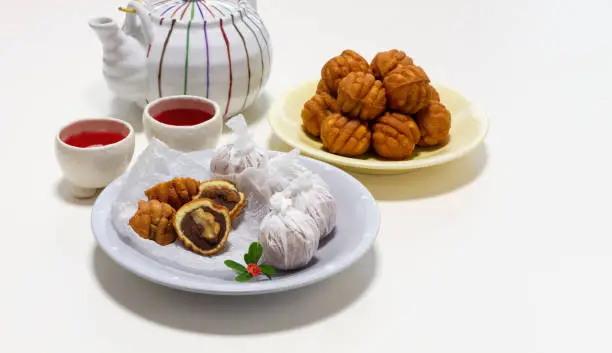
[311, 195]
[157, 164]
[277, 174]
[289, 237]
[232, 159]
[283, 169]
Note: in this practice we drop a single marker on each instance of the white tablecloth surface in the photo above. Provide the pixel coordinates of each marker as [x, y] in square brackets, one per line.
[506, 250]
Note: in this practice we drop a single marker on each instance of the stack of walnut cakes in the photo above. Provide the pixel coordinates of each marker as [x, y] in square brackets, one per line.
[388, 105]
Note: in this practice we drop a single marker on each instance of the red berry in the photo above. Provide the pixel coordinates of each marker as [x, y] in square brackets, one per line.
[253, 269]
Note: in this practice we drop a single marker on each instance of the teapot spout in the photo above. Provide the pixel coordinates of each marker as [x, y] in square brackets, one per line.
[124, 60]
[107, 30]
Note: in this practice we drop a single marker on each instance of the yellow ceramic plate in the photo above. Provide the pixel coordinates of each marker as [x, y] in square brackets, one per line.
[468, 129]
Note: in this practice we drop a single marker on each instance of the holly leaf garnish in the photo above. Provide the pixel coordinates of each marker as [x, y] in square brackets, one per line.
[254, 254]
[235, 266]
[243, 277]
[267, 270]
[252, 270]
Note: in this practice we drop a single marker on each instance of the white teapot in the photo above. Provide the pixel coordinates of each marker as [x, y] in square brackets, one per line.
[218, 49]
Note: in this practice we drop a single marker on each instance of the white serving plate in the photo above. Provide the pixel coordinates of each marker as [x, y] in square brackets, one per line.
[358, 222]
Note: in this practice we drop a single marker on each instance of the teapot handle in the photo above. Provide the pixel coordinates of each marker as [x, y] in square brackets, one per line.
[143, 14]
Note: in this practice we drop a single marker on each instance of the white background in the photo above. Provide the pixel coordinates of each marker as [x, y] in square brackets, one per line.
[507, 250]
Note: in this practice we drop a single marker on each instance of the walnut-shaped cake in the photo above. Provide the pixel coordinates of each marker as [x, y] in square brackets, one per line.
[395, 135]
[322, 87]
[361, 95]
[153, 221]
[386, 61]
[433, 94]
[344, 136]
[175, 192]
[203, 226]
[407, 89]
[434, 122]
[316, 110]
[223, 193]
[340, 66]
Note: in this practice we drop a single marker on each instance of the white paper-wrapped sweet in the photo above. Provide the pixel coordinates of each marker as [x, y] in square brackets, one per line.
[289, 237]
[310, 194]
[275, 175]
[282, 169]
[232, 159]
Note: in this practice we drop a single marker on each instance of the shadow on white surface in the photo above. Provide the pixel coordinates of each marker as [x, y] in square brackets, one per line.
[99, 99]
[257, 111]
[427, 182]
[127, 111]
[234, 315]
[62, 191]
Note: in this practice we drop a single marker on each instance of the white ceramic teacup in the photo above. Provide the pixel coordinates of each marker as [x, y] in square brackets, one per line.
[90, 167]
[185, 138]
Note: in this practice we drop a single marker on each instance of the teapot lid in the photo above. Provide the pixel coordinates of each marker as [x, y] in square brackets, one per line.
[195, 10]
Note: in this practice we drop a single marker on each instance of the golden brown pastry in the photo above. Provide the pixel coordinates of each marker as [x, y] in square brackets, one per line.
[386, 61]
[223, 193]
[338, 67]
[345, 137]
[434, 122]
[433, 94]
[360, 95]
[203, 226]
[176, 192]
[322, 87]
[407, 89]
[153, 221]
[316, 110]
[395, 135]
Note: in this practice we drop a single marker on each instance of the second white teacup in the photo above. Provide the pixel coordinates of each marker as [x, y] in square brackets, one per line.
[184, 123]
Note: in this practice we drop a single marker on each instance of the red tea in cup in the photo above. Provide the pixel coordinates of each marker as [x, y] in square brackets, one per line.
[94, 138]
[94, 133]
[93, 152]
[183, 116]
[184, 123]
